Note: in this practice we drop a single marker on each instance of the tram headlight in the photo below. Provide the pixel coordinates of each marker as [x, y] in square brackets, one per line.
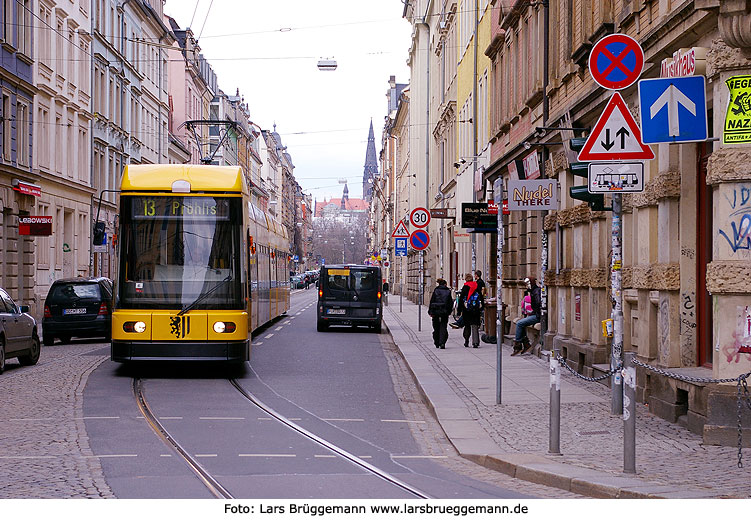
[224, 327]
[134, 326]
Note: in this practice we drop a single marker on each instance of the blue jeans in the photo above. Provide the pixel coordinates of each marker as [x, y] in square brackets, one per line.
[521, 326]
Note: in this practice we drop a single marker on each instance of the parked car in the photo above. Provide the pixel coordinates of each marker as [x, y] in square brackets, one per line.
[80, 307]
[18, 333]
[298, 281]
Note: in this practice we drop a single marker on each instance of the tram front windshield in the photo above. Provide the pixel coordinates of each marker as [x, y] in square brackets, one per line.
[175, 249]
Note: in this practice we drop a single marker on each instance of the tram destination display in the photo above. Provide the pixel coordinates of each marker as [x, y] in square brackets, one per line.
[150, 207]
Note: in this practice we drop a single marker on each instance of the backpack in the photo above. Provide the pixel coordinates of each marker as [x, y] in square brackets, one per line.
[472, 303]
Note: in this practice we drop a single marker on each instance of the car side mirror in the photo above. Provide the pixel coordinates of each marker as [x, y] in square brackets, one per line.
[24, 309]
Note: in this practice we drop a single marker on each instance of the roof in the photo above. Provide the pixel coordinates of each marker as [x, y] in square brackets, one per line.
[350, 205]
[159, 177]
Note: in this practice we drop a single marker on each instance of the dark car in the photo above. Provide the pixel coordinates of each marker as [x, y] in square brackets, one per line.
[80, 307]
[349, 295]
[18, 333]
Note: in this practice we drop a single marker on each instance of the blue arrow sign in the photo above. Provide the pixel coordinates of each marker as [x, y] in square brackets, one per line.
[400, 246]
[673, 109]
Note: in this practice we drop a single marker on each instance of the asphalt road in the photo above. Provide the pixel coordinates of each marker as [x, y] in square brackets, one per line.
[337, 384]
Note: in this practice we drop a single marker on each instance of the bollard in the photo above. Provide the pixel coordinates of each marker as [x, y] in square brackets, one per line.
[629, 413]
[554, 442]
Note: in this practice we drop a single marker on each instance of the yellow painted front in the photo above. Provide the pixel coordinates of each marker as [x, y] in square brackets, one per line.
[202, 178]
[167, 326]
[119, 317]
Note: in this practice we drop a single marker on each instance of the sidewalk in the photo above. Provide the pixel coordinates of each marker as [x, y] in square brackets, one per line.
[459, 385]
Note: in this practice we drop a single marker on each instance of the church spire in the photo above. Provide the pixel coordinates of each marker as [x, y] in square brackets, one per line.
[371, 165]
[345, 197]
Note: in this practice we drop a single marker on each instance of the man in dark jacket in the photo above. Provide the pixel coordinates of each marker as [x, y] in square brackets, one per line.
[439, 309]
[521, 341]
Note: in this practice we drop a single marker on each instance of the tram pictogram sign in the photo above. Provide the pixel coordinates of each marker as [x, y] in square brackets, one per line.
[616, 61]
[419, 239]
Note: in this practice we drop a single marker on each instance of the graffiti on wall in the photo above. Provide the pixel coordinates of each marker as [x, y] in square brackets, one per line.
[740, 343]
[688, 329]
[737, 232]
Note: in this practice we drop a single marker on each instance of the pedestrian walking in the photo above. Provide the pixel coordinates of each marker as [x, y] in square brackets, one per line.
[470, 305]
[480, 283]
[439, 310]
[521, 341]
[385, 292]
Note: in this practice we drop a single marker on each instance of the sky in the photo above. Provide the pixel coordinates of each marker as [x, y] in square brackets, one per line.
[270, 51]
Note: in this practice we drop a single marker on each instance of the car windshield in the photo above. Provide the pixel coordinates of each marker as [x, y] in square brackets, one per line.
[351, 279]
[177, 248]
[74, 291]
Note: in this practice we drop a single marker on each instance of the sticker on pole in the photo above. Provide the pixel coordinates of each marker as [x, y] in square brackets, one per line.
[616, 136]
[400, 230]
[616, 61]
[420, 217]
[419, 239]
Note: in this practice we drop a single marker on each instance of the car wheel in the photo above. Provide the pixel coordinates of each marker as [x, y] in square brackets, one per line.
[33, 357]
[65, 339]
[48, 339]
[2, 355]
[322, 326]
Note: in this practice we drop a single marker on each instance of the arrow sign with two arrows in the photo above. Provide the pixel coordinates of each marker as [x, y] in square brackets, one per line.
[673, 109]
[615, 137]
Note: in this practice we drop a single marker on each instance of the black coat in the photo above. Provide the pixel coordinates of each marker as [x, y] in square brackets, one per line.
[536, 300]
[441, 302]
[469, 317]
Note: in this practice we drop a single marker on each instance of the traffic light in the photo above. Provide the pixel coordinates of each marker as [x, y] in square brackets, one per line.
[579, 168]
[99, 233]
[581, 193]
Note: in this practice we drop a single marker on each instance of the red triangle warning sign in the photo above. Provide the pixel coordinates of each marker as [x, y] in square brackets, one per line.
[616, 136]
[400, 230]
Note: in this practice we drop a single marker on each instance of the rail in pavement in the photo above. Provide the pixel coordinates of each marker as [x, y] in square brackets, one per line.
[458, 383]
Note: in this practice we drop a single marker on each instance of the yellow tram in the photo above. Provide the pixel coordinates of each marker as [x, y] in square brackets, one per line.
[200, 266]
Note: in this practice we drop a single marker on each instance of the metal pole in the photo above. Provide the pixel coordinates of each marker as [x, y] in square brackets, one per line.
[419, 295]
[629, 413]
[554, 442]
[616, 382]
[543, 232]
[401, 281]
[499, 321]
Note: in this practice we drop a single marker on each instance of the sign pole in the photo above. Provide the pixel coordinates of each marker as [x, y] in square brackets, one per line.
[401, 281]
[419, 297]
[499, 319]
[616, 381]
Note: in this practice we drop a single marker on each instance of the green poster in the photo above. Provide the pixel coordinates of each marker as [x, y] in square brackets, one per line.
[738, 116]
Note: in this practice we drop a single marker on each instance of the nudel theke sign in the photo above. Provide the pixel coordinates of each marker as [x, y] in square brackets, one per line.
[538, 194]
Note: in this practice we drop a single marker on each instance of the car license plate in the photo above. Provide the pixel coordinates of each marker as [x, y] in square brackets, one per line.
[74, 311]
[336, 311]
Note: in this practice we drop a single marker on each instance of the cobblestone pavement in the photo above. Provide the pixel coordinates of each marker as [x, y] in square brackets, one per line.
[433, 441]
[591, 437]
[44, 450]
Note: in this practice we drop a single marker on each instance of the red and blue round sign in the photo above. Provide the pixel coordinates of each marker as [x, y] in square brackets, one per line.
[616, 61]
[419, 239]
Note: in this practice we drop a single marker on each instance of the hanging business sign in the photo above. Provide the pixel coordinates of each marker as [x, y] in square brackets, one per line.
[27, 188]
[685, 63]
[531, 165]
[541, 194]
[477, 217]
[35, 226]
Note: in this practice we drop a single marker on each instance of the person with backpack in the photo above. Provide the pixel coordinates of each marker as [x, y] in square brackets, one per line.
[521, 341]
[439, 310]
[470, 306]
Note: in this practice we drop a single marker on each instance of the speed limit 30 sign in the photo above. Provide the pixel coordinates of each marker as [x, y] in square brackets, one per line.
[420, 217]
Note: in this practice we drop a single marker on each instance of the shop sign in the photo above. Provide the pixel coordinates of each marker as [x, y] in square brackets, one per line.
[28, 189]
[738, 116]
[35, 226]
[685, 63]
[541, 194]
[461, 237]
[531, 166]
[578, 303]
[477, 216]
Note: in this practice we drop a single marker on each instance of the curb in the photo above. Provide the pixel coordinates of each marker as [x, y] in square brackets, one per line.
[473, 443]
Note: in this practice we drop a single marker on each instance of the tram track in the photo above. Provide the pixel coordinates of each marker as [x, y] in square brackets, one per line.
[214, 486]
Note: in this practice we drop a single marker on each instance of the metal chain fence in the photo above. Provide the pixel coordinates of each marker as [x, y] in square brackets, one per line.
[743, 394]
[610, 373]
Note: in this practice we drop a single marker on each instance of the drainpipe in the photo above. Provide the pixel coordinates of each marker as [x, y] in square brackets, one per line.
[421, 290]
[474, 130]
